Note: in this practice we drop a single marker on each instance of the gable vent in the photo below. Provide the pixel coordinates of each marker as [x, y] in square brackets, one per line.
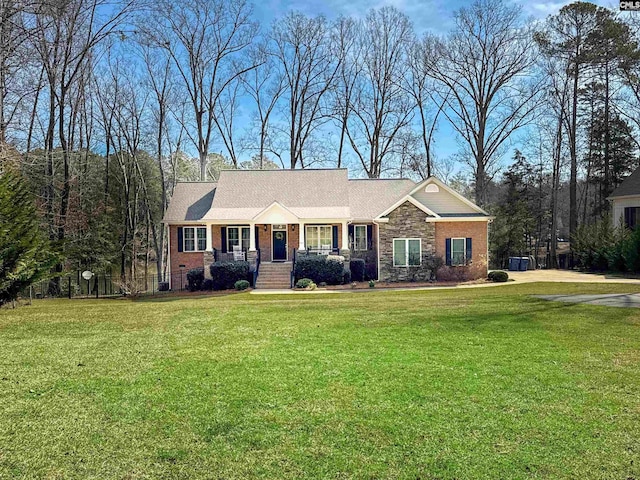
[432, 188]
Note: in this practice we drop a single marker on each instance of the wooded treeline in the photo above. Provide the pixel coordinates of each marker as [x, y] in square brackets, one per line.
[105, 105]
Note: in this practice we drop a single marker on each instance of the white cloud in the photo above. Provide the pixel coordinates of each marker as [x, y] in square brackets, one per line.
[544, 9]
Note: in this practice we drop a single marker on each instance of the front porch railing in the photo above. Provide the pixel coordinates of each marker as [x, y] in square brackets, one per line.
[219, 256]
[320, 251]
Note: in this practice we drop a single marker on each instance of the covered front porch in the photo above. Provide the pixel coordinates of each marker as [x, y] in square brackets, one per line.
[274, 242]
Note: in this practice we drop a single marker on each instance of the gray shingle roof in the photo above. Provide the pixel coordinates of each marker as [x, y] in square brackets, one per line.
[306, 193]
[369, 198]
[241, 195]
[190, 201]
[630, 186]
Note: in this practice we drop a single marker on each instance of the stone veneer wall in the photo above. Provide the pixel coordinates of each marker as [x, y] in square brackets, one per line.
[406, 221]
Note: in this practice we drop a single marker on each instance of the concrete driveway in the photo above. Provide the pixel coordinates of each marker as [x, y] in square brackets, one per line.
[609, 300]
[568, 276]
[529, 276]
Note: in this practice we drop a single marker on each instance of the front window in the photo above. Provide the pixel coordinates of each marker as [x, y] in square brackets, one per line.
[360, 240]
[237, 236]
[407, 252]
[458, 251]
[195, 239]
[319, 237]
[631, 217]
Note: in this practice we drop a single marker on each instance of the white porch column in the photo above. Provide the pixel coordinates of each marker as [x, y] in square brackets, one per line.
[252, 237]
[301, 245]
[207, 255]
[345, 236]
[209, 238]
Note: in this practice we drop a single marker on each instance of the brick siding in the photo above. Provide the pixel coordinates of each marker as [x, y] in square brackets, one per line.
[475, 230]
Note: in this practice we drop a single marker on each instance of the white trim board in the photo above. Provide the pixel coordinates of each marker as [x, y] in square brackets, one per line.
[413, 201]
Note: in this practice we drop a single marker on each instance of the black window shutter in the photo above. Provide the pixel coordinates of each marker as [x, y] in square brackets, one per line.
[257, 237]
[180, 239]
[627, 217]
[223, 234]
[352, 237]
[469, 249]
[447, 248]
[369, 237]
[335, 236]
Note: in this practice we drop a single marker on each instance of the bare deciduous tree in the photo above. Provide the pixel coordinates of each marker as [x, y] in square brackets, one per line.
[204, 38]
[304, 53]
[483, 63]
[265, 85]
[421, 88]
[349, 50]
[381, 104]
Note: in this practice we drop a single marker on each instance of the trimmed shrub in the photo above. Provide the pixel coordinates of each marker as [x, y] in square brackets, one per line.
[631, 251]
[224, 275]
[163, 286]
[370, 271]
[498, 276]
[319, 269]
[304, 283]
[346, 276]
[372, 284]
[207, 284]
[241, 285]
[195, 278]
[357, 269]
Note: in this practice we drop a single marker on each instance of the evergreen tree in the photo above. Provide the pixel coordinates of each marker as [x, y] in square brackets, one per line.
[25, 253]
[515, 223]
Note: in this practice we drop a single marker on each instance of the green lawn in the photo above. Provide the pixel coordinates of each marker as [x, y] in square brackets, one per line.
[470, 383]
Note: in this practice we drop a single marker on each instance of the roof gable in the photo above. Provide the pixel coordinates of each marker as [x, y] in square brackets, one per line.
[414, 202]
[630, 186]
[443, 200]
[276, 214]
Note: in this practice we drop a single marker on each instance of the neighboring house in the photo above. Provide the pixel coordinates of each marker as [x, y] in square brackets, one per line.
[270, 217]
[625, 202]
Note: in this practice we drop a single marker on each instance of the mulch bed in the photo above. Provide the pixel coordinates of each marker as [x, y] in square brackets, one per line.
[396, 285]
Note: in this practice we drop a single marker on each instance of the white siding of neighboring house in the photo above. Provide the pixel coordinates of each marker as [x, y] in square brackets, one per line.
[442, 202]
[619, 204]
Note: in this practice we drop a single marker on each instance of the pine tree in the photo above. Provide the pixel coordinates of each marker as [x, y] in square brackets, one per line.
[25, 253]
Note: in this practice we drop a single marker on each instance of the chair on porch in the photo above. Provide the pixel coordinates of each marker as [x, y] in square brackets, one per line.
[238, 254]
[325, 249]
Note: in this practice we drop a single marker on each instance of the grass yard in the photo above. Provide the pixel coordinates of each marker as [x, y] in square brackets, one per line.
[467, 383]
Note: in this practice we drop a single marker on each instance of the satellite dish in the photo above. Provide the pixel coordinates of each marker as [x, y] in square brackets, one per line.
[87, 275]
